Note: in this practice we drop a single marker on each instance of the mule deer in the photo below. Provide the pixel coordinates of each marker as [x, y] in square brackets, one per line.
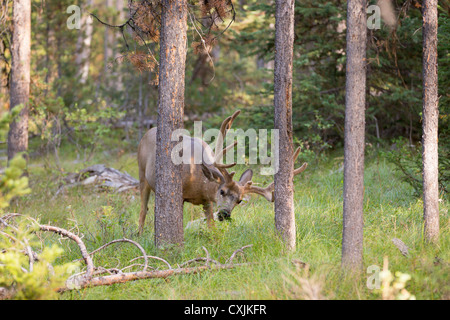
[206, 183]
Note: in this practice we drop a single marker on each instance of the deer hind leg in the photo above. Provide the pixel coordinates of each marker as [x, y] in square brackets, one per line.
[208, 208]
[145, 195]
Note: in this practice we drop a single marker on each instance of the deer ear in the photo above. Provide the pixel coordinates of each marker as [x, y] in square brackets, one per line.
[246, 177]
[212, 174]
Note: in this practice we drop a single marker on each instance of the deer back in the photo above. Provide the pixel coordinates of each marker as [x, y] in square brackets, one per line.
[200, 180]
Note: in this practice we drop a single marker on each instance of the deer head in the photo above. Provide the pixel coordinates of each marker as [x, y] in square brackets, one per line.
[230, 192]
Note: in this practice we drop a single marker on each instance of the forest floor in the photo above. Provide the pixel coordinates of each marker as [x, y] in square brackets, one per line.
[391, 210]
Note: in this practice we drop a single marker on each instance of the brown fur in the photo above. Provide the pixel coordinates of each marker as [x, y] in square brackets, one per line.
[197, 188]
[202, 184]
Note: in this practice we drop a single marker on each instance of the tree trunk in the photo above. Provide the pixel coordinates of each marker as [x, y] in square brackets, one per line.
[169, 190]
[355, 102]
[284, 188]
[108, 44]
[430, 122]
[118, 39]
[84, 44]
[20, 76]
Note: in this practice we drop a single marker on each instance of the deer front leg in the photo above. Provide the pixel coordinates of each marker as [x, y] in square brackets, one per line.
[208, 209]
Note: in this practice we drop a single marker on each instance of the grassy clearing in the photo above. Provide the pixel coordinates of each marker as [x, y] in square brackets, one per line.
[391, 211]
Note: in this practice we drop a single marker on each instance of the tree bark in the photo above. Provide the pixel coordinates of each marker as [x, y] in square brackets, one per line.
[284, 187]
[169, 189]
[20, 76]
[118, 38]
[430, 122]
[84, 44]
[355, 102]
[108, 44]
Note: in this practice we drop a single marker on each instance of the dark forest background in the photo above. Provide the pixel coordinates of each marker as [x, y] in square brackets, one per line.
[116, 100]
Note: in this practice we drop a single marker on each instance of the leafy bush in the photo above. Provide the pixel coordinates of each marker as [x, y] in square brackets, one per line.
[22, 276]
[407, 159]
[12, 182]
[23, 279]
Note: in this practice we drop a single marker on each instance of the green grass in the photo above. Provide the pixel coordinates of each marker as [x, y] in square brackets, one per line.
[390, 211]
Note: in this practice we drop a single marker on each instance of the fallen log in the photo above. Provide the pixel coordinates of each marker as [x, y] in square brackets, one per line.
[102, 177]
[140, 275]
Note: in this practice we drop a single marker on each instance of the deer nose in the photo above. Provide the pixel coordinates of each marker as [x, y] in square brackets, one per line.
[224, 214]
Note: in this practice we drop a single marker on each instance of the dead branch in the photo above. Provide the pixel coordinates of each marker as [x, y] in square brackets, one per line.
[241, 250]
[401, 246]
[122, 277]
[90, 277]
[140, 275]
[87, 258]
[208, 259]
[31, 255]
[153, 257]
[129, 241]
[201, 259]
[7, 217]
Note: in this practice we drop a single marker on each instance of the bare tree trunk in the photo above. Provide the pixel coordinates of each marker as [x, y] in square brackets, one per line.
[84, 44]
[430, 122]
[284, 187]
[120, 19]
[108, 43]
[20, 76]
[169, 189]
[355, 102]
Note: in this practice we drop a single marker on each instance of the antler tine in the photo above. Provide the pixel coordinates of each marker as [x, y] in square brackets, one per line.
[296, 153]
[226, 125]
[222, 152]
[219, 152]
[235, 114]
[301, 169]
[224, 166]
[304, 165]
[268, 192]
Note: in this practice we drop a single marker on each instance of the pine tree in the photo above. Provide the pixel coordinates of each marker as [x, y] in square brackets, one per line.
[169, 186]
[20, 76]
[430, 121]
[284, 186]
[355, 104]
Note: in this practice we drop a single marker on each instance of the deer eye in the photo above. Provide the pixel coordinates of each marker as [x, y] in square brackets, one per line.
[222, 192]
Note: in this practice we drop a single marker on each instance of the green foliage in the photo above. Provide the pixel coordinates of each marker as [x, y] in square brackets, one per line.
[390, 211]
[394, 72]
[17, 275]
[111, 224]
[407, 159]
[394, 285]
[241, 77]
[444, 94]
[30, 281]
[5, 120]
[444, 69]
[94, 124]
[12, 181]
[317, 102]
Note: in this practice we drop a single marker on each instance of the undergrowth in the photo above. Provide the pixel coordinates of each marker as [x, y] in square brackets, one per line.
[391, 210]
